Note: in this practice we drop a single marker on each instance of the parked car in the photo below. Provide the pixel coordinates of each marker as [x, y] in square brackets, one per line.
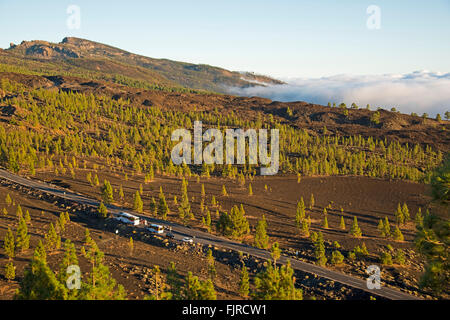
[187, 240]
[170, 235]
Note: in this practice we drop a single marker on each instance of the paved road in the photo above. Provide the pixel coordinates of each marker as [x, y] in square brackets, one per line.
[205, 238]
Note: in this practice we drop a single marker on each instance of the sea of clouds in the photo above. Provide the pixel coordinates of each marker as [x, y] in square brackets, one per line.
[418, 91]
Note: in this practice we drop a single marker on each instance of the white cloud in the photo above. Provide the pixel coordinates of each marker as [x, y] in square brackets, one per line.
[419, 91]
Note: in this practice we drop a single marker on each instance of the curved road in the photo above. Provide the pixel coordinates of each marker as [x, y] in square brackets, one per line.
[205, 238]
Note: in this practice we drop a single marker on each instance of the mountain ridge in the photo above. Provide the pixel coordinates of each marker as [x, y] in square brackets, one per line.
[98, 57]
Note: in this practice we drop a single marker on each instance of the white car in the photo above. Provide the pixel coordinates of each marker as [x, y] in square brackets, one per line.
[187, 240]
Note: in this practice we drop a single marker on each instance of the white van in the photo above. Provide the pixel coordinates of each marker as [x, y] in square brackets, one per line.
[127, 218]
[156, 228]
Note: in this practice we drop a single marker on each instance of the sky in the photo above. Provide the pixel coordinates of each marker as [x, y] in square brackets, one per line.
[287, 39]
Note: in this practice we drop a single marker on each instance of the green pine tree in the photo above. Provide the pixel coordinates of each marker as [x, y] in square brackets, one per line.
[211, 265]
[22, 237]
[397, 234]
[261, 237]
[355, 230]
[40, 283]
[107, 192]
[342, 223]
[10, 271]
[138, 205]
[336, 257]
[163, 208]
[244, 284]
[399, 218]
[275, 283]
[319, 250]
[325, 222]
[8, 244]
[102, 210]
[405, 211]
[300, 214]
[195, 289]
[52, 239]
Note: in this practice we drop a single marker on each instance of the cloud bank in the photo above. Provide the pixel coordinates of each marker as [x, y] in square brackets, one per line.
[419, 91]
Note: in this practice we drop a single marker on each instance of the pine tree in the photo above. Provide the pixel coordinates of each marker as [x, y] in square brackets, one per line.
[405, 211]
[22, 237]
[107, 192]
[102, 210]
[386, 258]
[87, 237]
[224, 191]
[174, 281]
[336, 257]
[400, 257]
[342, 223]
[399, 218]
[8, 200]
[131, 245]
[276, 284]
[96, 181]
[184, 209]
[153, 206]
[62, 221]
[160, 292]
[419, 218]
[163, 208]
[40, 253]
[40, 283]
[121, 194]
[10, 271]
[211, 265]
[208, 220]
[195, 289]
[8, 244]
[311, 202]
[432, 242]
[239, 223]
[387, 227]
[261, 237]
[275, 252]
[397, 234]
[300, 214]
[244, 284]
[380, 228]
[69, 259]
[305, 228]
[102, 285]
[203, 193]
[319, 251]
[27, 217]
[325, 222]
[19, 212]
[355, 230]
[138, 205]
[52, 239]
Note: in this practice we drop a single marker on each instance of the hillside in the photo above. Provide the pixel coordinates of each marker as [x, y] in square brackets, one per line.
[312, 118]
[88, 59]
[77, 133]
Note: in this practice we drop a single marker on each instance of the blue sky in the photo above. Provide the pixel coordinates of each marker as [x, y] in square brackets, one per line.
[278, 38]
